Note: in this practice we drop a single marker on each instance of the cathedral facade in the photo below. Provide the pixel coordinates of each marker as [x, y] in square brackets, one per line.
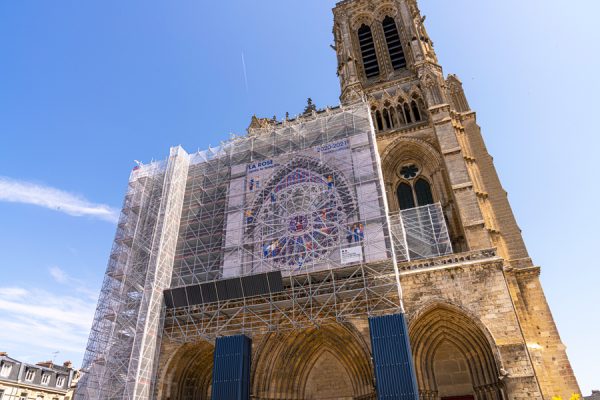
[294, 239]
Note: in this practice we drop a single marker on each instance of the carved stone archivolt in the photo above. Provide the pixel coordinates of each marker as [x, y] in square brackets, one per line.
[440, 333]
[285, 364]
[187, 371]
[385, 10]
[360, 20]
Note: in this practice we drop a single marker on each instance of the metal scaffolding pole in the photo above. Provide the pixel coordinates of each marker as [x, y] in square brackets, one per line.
[283, 229]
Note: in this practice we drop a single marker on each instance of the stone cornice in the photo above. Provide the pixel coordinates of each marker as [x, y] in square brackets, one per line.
[459, 260]
[28, 386]
[420, 126]
[533, 270]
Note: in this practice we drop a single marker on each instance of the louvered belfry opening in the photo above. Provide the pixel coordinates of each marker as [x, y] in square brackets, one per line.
[392, 38]
[367, 50]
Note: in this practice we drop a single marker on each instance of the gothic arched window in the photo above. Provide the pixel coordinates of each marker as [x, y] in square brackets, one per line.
[394, 45]
[423, 192]
[401, 117]
[367, 50]
[406, 199]
[413, 192]
[407, 114]
[386, 119]
[393, 117]
[415, 110]
[378, 120]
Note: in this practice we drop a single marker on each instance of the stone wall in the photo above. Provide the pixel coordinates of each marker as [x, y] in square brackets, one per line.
[474, 299]
[548, 353]
[479, 293]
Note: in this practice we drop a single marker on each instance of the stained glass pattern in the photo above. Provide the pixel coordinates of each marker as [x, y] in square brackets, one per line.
[302, 221]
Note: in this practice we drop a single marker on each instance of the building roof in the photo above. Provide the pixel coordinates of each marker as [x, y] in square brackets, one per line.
[16, 374]
[595, 395]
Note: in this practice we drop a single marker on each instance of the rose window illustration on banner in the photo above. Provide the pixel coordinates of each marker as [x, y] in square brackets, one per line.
[301, 219]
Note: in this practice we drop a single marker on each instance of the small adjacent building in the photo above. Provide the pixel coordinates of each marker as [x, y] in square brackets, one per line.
[42, 381]
[595, 395]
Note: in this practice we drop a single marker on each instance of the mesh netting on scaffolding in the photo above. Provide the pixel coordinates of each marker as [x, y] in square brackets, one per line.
[122, 347]
[283, 200]
[305, 200]
[279, 230]
[420, 232]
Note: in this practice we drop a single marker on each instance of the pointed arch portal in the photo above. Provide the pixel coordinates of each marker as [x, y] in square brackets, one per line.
[332, 361]
[453, 357]
[188, 374]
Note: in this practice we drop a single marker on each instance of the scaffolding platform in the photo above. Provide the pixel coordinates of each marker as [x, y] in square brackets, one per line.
[285, 228]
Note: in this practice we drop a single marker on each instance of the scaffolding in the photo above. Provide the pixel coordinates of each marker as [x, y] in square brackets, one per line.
[283, 229]
[243, 196]
[120, 356]
[420, 232]
[304, 199]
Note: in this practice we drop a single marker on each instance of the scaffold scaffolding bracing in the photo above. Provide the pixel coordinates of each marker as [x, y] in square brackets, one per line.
[278, 230]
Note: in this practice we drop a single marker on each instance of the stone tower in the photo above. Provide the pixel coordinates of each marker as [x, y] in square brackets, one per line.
[424, 123]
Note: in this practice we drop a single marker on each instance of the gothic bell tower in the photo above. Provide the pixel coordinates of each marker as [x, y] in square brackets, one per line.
[384, 45]
[425, 125]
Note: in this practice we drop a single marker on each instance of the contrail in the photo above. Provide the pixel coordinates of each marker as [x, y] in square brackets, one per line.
[245, 75]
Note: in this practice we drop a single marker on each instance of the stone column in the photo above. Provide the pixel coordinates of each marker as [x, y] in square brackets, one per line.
[460, 182]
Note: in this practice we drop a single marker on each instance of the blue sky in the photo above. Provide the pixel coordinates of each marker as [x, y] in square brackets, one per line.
[88, 87]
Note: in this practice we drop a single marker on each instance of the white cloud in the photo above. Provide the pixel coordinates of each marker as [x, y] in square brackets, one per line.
[49, 307]
[41, 322]
[12, 292]
[61, 276]
[44, 196]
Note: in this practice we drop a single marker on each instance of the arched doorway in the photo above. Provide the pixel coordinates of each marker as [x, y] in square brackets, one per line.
[188, 373]
[330, 362]
[454, 359]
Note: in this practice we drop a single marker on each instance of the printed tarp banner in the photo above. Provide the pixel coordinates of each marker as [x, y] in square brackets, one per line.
[307, 209]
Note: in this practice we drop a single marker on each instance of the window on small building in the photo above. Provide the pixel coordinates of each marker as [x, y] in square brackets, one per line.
[5, 369]
[45, 379]
[394, 45]
[367, 51]
[23, 396]
[1, 394]
[60, 381]
[29, 375]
